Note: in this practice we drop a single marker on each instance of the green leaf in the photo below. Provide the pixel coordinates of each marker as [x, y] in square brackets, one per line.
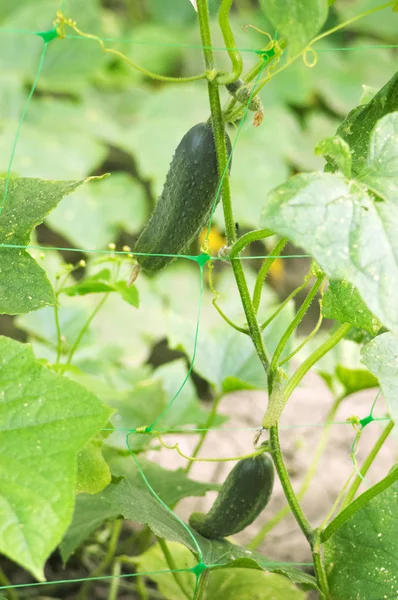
[140, 506]
[343, 303]
[381, 358]
[381, 24]
[358, 127]
[96, 214]
[24, 285]
[95, 285]
[298, 21]
[93, 473]
[380, 172]
[361, 556]
[45, 420]
[338, 152]
[351, 236]
[89, 514]
[129, 294]
[354, 380]
[239, 584]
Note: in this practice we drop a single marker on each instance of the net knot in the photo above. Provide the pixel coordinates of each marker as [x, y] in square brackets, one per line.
[48, 36]
[198, 569]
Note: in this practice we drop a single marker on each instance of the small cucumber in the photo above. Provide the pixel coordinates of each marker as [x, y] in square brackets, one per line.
[186, 201]
[243, 496]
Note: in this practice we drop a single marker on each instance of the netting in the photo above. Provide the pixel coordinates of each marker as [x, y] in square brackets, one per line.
[56, 34]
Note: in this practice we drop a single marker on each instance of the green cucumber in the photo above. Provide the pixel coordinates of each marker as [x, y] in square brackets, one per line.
[243, 496]
[187, 199]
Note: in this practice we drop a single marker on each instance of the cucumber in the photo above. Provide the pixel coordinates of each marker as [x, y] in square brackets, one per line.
[186, 201]
[243, 496]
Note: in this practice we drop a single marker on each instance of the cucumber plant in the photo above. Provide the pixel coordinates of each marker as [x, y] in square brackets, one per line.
[78, 418]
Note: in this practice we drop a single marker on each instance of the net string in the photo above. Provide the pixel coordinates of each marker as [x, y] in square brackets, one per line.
[201, 259]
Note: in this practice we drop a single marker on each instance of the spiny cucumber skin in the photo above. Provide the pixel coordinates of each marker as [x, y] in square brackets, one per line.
[185, 204]
[243, 496]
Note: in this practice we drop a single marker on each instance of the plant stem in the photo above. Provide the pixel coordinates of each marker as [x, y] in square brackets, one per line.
[172, 566]
[227, 320]
[115, 583]
[291, 497]
[234, 55]
[282, 305]
[319, 567]
[85, 327]
[142, 588]
[12, 594]
[263, 272]
[281, 514]
[202, 584]
[219, 137]
[305, 340]
[297, 319]
[58, 330]
[314, 357]
[245, 240]
[203, 434]
[367, 463]
[110, 553]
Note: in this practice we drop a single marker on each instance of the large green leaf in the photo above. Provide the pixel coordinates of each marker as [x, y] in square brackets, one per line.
[343, 303]
[239, 584]
[362, 555]
[357, 128]
[298, 21]
[339, 223]
[381, 357]
[23, 284]
[138, 505]
[45, 420]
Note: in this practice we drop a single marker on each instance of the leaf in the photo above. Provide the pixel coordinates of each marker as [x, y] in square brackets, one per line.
[380, 356]
[381, 168]
[343, 303]
[358, 127]
[298, 21]
[140, 506]
[354, 380]
[89, 514]
[95, 215]
[338, 152]
[95, 285]
[93, 473]
[381, 24]
[45, 420]
[24, 285]
[361, 556]
[351, 236]
[239, 584]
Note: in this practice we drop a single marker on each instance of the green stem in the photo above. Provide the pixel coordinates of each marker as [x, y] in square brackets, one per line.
[203, 434]
[283, 304]
[319, 566]
[234, 55]
[172, 566]
[12, 594]
[314, 357]
[142, 588]
[202, 585]
[110, 553]
[293, 325]
[291, 497]
[227, 320]
[246, 239]
[219, 137]
[58, 330]
[305, 340]
[263, 272]
[367, 463]
[115, 582]
[281, 514]
[85, 327]
[358, 503]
